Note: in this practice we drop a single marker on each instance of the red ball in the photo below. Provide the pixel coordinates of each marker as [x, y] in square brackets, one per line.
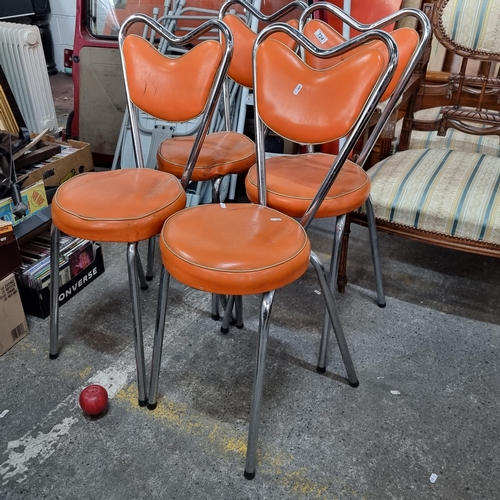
[94, 400]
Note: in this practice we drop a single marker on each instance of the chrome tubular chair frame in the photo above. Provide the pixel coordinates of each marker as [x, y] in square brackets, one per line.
[425, 37]
[214, 92]
[388, 109]
[251, 10]
[296, 4]
[135, 271]
[351, 140]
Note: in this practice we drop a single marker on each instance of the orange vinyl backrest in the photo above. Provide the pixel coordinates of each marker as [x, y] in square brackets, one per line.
[240, 69]
[170, 88]
[312, 106]
[326, 37]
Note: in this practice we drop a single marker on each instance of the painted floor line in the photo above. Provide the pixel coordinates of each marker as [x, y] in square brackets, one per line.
[36, 446]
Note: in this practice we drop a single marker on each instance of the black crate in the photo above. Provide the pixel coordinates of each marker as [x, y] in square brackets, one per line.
[37, 302]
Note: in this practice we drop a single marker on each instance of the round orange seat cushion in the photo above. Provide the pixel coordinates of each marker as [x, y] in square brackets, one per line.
[234, 249]
[292, 181]
[222, 153]
[125, 206]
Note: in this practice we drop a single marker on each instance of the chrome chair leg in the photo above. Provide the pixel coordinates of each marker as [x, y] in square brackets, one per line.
[55, 236]
[258, 384]
[228, 315]
[140, 273]
[337, 326]
[151, 258]
[332, 278]
[136, 313]
[216, 189]
[238, 305]
[161, 313]
[215, 307]
[372, 230]
[223, 303]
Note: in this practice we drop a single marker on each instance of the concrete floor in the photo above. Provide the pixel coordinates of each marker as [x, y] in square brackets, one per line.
[437, 344]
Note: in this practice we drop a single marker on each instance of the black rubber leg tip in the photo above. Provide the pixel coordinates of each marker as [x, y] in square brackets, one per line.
[53, 356]
[232, 322]
[149, 278]
[240, 326]
[142, 403]
[215, 317]
[354, 384]
[320, 369]
[152, 406]
[225, 331]
[145, 287]
[249, 475]
[382, 306]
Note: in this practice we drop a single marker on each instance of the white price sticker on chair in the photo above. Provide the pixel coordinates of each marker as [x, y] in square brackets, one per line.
[297, 89]
[322, 38]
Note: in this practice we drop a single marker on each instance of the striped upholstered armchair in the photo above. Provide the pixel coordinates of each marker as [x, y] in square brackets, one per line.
[444, 187]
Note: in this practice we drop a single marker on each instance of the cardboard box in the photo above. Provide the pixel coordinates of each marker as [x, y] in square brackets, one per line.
[75, 158]
[10, 258]
[35, 198]
[37, 302]
[13, 326]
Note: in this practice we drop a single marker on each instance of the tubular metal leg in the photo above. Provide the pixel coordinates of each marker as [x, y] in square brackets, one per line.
[332, 278]
[372, 229]
[54, 292]
[161, 313]
[140, 273]
[239, 311]
[228, 313]
[216, 189]
[258, 384]
[223, 303]
[215, 307]
[334, 317]
[151, 258]
[136, 313]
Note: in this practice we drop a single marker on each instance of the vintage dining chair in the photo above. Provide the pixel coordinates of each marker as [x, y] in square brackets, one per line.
[436, 92]
[251, 248]
[240, 71]
[292, 181]
[449, 195]
[131, 205]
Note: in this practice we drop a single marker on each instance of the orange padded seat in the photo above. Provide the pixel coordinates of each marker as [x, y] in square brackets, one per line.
[124, 206]
[184, 93]
[222, 153]
[292, 182]
[245, 265]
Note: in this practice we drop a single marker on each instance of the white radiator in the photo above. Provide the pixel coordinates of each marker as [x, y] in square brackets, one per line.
[23, 62]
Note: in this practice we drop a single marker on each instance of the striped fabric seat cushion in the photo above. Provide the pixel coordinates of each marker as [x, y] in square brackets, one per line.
[486, 144]
[442, 191]
[473, 24]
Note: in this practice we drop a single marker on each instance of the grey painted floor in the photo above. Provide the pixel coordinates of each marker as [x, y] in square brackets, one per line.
[437, 344]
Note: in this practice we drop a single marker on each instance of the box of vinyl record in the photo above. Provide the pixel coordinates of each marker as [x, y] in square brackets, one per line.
[80, 264]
